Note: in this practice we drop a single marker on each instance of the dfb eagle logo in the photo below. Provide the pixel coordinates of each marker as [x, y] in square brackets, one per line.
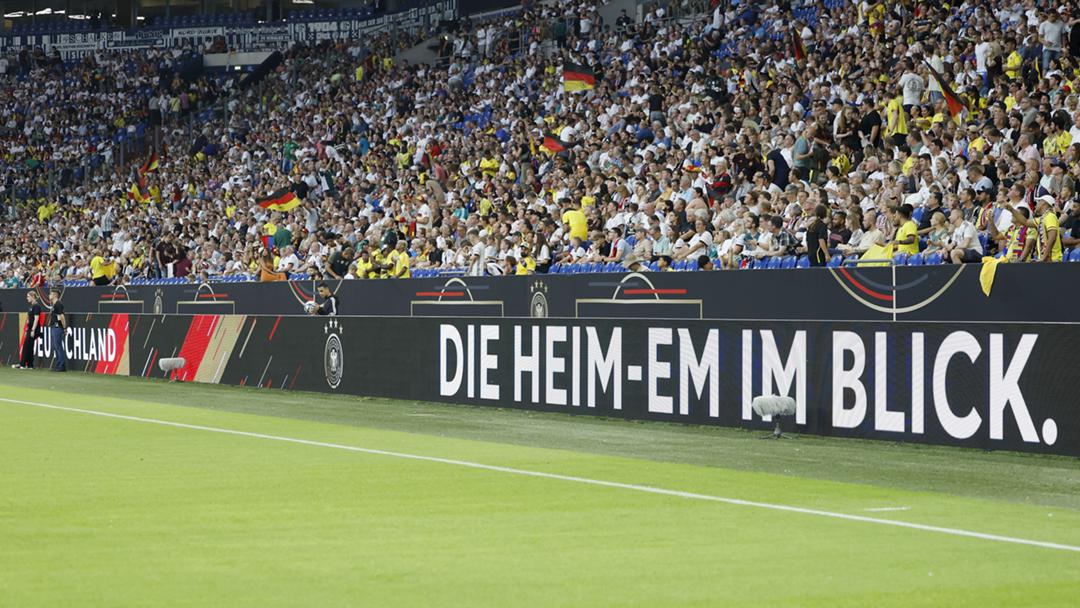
[333, 354]
[538, 305]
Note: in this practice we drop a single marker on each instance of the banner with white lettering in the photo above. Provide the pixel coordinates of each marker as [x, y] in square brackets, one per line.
[985, 386]
[994, 386]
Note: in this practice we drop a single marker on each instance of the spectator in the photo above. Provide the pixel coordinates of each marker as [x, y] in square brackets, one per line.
[907, 234]
[817, 238]
[964, 246]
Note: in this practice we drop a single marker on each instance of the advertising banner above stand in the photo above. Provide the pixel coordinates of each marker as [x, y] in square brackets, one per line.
[260, 36]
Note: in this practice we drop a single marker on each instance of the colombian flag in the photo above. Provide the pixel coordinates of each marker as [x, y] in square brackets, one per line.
[578, 77]
[282, 200]
[150, 165]
[952, 100]
[552, 143]
[139, 193]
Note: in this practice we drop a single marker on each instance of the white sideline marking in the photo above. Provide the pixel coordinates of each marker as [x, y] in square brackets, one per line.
[885, 509]
[570, 478]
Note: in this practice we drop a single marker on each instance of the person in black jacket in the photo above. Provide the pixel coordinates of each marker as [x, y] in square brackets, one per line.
[817, 238]
[58, 323]
[32, 332]
[329, 306]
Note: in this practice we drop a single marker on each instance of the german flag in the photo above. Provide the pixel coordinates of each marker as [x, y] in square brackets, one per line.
[282, 200]
[552, 143]
[952, 100]
[798, 49]
[150, 165]
[578, 77]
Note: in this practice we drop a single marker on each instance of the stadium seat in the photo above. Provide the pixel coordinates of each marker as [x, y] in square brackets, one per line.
[834, 262]
[787, 263]
[900, 259]
[934, 259]
[804, 261]
[915, 260]
[774, 263]
[1074, 255]
[917, 215]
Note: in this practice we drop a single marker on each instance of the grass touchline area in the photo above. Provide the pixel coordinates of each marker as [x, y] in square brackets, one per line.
[556, 476]
[123, 492]
[1053, 481]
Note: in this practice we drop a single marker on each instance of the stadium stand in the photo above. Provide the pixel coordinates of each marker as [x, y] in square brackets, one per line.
[770, 135]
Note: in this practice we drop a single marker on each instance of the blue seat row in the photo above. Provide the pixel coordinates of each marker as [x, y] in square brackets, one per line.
[203, 20]
[328, 14]
[771, 263]
[580, 268]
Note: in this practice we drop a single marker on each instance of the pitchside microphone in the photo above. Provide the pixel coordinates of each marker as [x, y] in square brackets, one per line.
[171, 364]
[771, 405]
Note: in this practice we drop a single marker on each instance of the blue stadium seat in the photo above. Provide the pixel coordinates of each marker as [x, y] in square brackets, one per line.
[915, 260]
[834, 262]
[774, 263]
[787, 263]
[804, 261]
[851, 260]
[1074, 255]
[918, 214]
[900, 259]
[934, 259]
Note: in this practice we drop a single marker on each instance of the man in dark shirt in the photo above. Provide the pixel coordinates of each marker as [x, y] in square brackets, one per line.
[33, 332]
[656, 107]
[57, 326]
[870, 125]
[838, 231]
[778, 166]
[817, 238]
[340, 261]
[933, 205]
[300, 188]
[1070, 236]
[329, 306]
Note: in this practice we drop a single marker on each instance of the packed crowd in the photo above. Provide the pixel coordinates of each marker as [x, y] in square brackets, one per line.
[773, 130]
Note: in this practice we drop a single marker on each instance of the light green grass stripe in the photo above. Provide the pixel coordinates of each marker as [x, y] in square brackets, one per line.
[568, 478]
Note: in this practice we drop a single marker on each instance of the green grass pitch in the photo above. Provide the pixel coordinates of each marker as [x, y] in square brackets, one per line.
[111, 511]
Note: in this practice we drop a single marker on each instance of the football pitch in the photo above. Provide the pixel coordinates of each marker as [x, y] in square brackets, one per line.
[118, 492]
